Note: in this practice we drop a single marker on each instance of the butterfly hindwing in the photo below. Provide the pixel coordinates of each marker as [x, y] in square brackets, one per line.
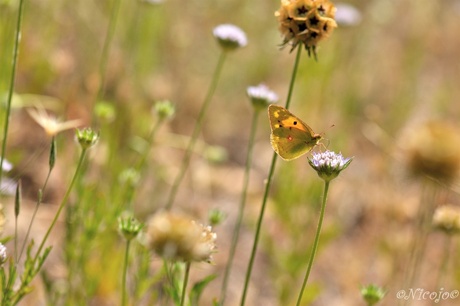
[290, 137]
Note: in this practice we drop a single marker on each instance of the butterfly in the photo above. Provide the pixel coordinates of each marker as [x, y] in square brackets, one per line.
[290, 137]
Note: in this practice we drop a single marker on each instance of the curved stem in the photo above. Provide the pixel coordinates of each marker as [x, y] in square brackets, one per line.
[184, 287]
[39, 200]
[316, 242]
[239, 219]
[196, 131]
[11, 89]
[125, 269]
[267, 187]
[63, 202]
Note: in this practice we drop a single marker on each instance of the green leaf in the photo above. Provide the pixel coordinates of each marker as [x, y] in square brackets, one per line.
[198, 288]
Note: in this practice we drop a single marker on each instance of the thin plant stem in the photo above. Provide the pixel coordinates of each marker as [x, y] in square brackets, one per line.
[315, 242]
[184, 287]
[444, 265]
[236, 230]
[130, 190]
[39, 201]
[196, 131]
[125, 269]
[12, 81]
[17, 205]
[421, 231]
[106, 49]
[63, 202]
[267, 188]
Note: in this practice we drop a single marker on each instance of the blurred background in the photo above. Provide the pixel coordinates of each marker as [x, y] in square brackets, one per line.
[378, 78]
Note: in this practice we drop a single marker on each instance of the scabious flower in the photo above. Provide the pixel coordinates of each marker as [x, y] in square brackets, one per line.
[306, 22]
[3, 254]
[433, 150]
[372, 294]
[347, 15]
[447, 219]
[129, 227]
[164, 109]
[329, 164]
[230, 37]
[50, 123]
[261, 96]
[178, 237]
[87, 137]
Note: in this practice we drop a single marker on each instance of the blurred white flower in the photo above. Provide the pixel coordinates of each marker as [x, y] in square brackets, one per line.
[230, 37]
[50, 123]
[347, 15]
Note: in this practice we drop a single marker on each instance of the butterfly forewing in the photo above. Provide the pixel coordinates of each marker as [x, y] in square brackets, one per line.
[290, 137]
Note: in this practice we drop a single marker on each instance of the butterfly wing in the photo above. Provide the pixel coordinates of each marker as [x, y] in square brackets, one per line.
[290, 137]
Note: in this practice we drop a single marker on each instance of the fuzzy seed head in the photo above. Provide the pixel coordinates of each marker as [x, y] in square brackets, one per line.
[433, 150]
[178, 237]
[447, 219]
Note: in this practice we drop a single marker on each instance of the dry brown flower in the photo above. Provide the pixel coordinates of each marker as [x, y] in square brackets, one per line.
[306, 21]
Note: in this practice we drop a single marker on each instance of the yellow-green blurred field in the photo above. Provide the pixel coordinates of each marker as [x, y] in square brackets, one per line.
[377, 82]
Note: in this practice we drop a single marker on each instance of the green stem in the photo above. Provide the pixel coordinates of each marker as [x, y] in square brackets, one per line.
[125, 269]
[316, 242]
[106, 48]
[11, 89]
[130, 190]
[267, 187]
[63, 202]
[184, 287]
[239, 219]
[39, 201]
[196, 131]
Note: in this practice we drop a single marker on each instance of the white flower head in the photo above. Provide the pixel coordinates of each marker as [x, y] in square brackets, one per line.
[50, 123]
[3, 254]
[347, 15]
[329, 164]
[261, 96]
[230, 37]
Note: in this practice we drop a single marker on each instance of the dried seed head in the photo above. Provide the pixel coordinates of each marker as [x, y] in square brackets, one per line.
[306, 22]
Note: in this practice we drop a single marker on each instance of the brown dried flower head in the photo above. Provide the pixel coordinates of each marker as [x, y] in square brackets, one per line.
[447, 219]
[306, 21]
[433, 150]
[178, 237]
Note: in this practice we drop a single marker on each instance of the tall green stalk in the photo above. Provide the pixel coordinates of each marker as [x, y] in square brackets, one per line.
[12, 80]
[63, 202]
[184, 286]
[267, 186]
[315, 243]
[125, 269]
[196, 131]
[52, 160]
[236, 230]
